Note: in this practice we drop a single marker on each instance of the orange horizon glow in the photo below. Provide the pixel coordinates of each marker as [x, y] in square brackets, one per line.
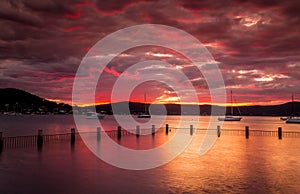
[171, 100]
[187, 103]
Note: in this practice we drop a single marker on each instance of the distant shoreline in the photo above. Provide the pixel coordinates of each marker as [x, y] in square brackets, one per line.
[14, 101]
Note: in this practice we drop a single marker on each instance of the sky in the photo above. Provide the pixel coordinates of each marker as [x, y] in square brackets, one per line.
[256, 45]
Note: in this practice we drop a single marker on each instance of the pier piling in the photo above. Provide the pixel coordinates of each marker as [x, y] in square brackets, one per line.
[153, 129]
[279, 133]
[247, 132]
[1, 142]
[167, 129]
[40, 138]
[72, 136]
[119, 132]
[98, 133]
[191, 130]
[219, 130]
[137, 133]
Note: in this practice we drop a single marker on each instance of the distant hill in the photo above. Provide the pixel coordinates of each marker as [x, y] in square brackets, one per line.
[16, 100]
[23, 102]
[175, 109]
[274, 110]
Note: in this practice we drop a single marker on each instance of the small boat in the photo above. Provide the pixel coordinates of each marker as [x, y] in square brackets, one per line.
[284, 118]
[145, 114]
[231, 117]
[293, 120]
[94, 115]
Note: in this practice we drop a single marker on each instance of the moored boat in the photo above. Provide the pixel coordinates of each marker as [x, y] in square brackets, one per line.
[231, 117]
[293, 120]
[284, 118]
[145, 114]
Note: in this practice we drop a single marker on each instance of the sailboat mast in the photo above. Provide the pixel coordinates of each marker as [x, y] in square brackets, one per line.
[145, 101]
[293, 105]
[231, 102]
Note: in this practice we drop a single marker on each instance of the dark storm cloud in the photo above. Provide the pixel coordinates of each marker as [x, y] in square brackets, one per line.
[52, 6]
[14, 11]
[113, 6]
[45, 40]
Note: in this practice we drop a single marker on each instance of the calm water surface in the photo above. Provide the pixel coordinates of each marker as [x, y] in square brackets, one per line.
[233, 165]
[52, 124]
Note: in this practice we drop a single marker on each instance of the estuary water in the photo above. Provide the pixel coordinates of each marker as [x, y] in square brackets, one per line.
[233, 165]
[53, 124]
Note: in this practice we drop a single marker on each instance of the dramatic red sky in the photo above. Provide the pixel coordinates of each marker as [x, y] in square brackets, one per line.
[255, 43]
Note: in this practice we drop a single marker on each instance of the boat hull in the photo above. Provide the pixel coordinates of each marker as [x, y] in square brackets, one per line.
[229, 118]
[284, 118]
[144, 116]
[293, 120]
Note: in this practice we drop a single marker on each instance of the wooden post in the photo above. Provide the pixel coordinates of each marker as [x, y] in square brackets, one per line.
[137, 133]
[72, 136]
[191, 130]
[153, 129]
[40, 138]
[219, 130]
[247, 132]
[167, 129]
[279, 133]
[98, 133]
[1, 142]
[119, 132]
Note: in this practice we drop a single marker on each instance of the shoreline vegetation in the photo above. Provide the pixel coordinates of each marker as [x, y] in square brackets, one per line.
[18, 102]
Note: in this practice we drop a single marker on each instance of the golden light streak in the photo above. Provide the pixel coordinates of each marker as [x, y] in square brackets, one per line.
[264, 79]
[159, 54]
[270, 77]
[213, 44]
[53, 100]
[179, 67]
[253, 71]
[91, 104]
[250, 20]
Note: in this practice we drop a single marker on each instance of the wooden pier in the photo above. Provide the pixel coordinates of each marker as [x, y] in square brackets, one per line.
[41, 139]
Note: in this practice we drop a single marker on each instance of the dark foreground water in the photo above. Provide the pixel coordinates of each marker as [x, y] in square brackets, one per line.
[233, 165]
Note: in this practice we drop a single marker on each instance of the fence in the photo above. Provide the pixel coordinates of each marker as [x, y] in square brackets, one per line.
[40, 139]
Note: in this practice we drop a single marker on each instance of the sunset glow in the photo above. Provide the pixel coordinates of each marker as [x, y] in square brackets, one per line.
[255, 44]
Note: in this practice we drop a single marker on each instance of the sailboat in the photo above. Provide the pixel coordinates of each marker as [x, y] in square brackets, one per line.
[231, 117]
[293, 119]
[145, 114]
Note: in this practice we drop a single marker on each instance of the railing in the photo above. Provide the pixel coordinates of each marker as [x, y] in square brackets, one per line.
[40, 139]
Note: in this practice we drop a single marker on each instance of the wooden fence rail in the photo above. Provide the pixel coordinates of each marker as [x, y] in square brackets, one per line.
[40, 139]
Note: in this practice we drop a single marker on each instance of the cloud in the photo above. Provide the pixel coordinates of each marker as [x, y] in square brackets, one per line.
[13, 11]
[114, 6]
[52, 6]
[46, 40]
